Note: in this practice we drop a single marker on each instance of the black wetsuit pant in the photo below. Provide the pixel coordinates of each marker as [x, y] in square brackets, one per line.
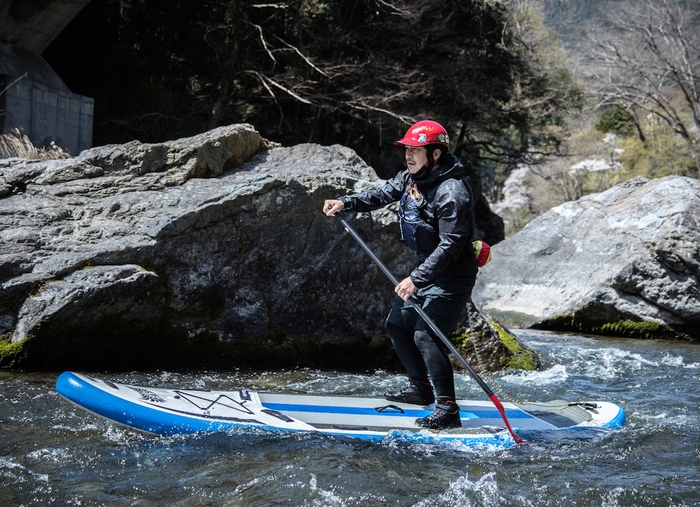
[420, 350]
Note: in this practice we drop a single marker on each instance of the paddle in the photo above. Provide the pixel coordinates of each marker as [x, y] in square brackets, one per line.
[434, 327]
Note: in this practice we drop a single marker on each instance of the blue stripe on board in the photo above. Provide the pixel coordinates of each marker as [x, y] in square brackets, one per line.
[125, 412]
[327, 409]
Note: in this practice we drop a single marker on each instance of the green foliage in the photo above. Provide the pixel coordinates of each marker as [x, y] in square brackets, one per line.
[616, 121]
[656, 128]
[663, 155]
[544, 92]
[555, 181]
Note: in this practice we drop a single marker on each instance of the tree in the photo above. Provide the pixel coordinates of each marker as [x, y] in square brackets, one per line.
[615, 120]
[648, 64]
[353, 72]
[359, 72]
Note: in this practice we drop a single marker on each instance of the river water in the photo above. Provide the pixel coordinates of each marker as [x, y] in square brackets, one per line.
[52, 453]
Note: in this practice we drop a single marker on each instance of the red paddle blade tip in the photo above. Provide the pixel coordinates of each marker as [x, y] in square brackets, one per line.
[497, 402]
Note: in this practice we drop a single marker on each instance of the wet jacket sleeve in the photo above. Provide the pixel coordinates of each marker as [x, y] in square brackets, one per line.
[452, 209]
[377, 198]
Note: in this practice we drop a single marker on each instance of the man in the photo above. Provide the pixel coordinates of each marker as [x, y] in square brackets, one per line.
[436, 221]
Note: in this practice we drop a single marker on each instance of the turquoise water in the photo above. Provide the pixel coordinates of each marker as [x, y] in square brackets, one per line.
[52, 453]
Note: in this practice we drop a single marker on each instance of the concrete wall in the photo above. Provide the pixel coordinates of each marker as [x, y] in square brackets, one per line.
[47, 114]
[40, 103]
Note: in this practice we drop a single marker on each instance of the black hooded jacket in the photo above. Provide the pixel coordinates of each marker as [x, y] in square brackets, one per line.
[448, 250]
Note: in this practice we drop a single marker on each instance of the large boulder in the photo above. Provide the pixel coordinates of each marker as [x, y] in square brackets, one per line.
[178, 246]
[622, 262]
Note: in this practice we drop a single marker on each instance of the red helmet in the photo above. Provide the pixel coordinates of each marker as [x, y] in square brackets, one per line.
[423, 133]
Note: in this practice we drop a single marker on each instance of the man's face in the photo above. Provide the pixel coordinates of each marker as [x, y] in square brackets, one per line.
[416, 158]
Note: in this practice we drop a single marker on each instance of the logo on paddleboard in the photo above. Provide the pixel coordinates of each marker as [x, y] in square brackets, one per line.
[148, 395]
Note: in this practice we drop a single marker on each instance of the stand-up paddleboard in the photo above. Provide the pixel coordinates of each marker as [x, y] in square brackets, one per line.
[172, 411]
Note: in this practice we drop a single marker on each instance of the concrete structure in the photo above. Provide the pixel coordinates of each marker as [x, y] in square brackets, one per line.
[32, 96]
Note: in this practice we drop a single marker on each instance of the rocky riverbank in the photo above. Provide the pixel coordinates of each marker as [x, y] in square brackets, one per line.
[625, 262]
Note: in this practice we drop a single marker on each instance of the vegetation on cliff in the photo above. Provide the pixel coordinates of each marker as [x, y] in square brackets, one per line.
[332, 71]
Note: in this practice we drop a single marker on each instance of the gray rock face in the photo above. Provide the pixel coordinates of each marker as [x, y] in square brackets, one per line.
[220, 233]
[92, 297]
[623, 262]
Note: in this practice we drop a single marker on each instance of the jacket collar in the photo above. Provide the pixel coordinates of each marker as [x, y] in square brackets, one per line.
[452, 169]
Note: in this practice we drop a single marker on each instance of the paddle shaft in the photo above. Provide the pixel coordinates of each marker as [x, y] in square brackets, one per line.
[434, 327]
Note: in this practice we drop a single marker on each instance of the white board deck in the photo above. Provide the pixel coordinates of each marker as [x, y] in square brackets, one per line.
[172, 411]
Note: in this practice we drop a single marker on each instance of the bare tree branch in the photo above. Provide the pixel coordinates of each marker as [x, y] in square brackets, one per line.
[650, 61]
[267, 81]
[303, 57]
[273, 6]
[264, 42]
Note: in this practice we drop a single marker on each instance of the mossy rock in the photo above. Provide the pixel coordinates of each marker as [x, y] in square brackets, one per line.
[621, 328]
[11, 354]
[522, 358]
[489, 347]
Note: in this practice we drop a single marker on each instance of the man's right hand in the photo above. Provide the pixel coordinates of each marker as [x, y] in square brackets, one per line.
[332, 206]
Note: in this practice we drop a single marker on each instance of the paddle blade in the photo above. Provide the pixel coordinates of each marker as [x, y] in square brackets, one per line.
[498, 405]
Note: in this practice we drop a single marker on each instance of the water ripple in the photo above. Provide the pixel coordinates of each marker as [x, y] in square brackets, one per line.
[52, 453]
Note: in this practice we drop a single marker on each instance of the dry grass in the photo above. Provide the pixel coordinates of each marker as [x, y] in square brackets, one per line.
[15, 144]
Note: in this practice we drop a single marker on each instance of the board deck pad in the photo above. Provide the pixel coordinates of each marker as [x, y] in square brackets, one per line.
[172, 411]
